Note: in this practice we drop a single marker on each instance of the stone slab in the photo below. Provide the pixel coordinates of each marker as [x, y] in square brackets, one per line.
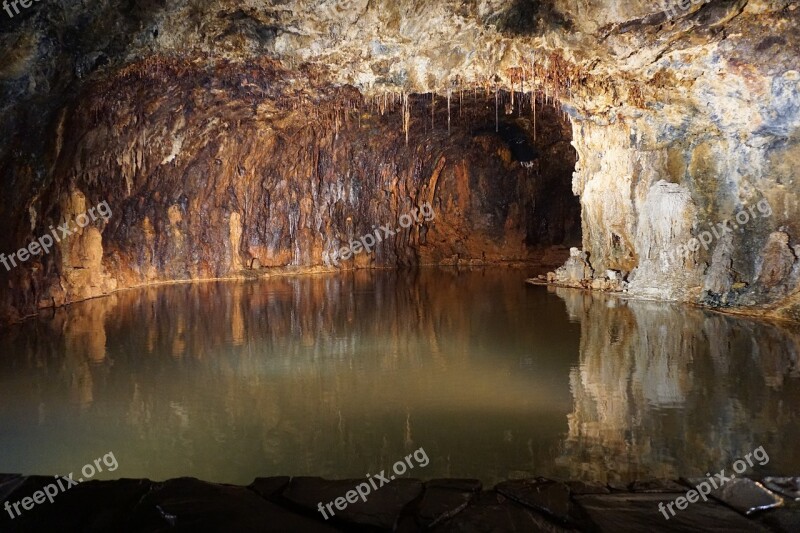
[382, 508]
[440, 503]
[492, 511]
[89, 507]
[465, 485]
[657, 485]
[782, 520]
[744, 495]
[269, 487]
[545, 495]
[579, 488]
[788, 487]
[188, 504]
[614, 513]
[8, 484]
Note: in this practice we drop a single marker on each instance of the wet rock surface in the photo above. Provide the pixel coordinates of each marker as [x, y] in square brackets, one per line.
[382, 509]
[744, 495]
[93, 506]
[270, 487]
[249, 169]
[788, 487]
[639, 512]
[784, 519]
[281, 504]
[191, 505]
[443, 499]
[544, 495]
[655, 485]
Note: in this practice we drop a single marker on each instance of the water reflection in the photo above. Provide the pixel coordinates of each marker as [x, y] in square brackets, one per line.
[665, 391]
[343, 375]
[335, 376]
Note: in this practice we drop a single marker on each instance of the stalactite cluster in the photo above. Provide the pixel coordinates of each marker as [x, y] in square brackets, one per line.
[216, 169]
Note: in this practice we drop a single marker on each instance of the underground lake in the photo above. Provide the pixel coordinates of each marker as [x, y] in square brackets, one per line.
[371, 266]
[341, 375]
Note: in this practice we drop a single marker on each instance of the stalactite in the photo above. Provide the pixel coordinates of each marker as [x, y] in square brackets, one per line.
[556, 87]
[406, 115]
[496, 111]
[449, 94]
[534, 94]
[433, 111]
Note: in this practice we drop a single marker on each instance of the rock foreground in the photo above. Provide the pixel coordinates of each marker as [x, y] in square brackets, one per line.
[290, 504]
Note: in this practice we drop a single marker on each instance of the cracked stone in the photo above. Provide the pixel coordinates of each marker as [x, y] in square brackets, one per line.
[551, 497]
[493, 512]
[443, 499]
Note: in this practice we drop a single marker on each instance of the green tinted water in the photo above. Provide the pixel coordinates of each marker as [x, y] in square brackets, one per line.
[340, 376]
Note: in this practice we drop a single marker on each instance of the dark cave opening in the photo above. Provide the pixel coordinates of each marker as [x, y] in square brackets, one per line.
[519, 157]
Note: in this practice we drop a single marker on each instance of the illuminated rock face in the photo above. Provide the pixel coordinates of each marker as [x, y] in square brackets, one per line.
[681, 121]
[226, 170]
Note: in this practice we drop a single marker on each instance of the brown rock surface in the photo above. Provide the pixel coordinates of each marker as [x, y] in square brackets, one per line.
[226, 133]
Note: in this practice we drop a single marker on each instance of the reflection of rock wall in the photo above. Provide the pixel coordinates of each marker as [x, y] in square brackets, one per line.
[300, 375]
[76, 356]
[659, 391]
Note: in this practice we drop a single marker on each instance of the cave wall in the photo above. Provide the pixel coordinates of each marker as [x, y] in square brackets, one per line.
[719, 140]
[644, 201]
[682, 118]
[224, 169]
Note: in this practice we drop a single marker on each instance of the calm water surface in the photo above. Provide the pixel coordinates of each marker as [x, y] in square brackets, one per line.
[340, 376]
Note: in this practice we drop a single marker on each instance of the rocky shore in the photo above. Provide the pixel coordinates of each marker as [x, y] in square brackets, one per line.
[290, 504]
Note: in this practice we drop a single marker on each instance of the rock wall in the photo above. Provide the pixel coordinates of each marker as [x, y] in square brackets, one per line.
[687, 183]
[228, 169]
[682, 119]
[690, 201]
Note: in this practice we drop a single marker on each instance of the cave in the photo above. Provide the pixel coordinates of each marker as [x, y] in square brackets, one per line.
[285, 183]
[500, 265]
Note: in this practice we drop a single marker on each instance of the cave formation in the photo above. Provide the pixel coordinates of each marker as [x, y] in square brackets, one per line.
[378, 160]
[232, 140]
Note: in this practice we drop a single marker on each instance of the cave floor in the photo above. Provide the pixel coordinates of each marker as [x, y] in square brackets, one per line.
[284, 504]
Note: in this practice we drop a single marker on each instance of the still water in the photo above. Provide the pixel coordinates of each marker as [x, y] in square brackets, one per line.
[343, 375]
